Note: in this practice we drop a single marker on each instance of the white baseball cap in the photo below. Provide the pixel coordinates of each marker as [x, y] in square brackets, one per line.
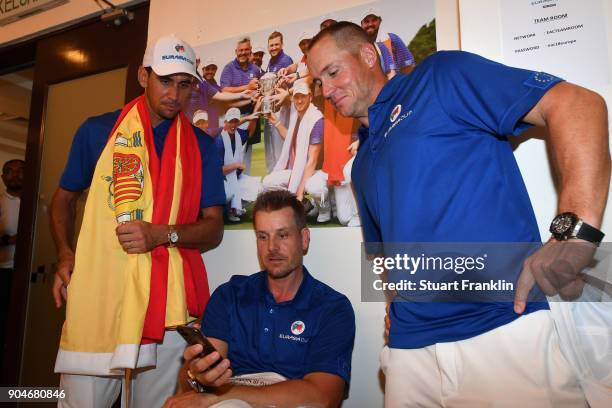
[199, 115]
[170, 55]
[305, 35]
[301, 87]
[371, 11]
[210, 61]
[231, 114]
[258, 48]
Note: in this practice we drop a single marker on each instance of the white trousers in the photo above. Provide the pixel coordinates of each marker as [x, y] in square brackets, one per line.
[150, 387]
[315, 185]
[248, 153]
[276, 180]
[242, 188]
[273, 145]
[516, 365]
[346, 206]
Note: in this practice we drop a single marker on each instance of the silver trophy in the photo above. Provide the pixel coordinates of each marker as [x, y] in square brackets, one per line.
[266, 87]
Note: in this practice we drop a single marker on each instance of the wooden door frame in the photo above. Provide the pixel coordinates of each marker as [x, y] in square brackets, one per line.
[107, 47]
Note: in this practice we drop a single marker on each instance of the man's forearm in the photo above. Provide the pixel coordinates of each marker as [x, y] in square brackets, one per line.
[285, 394]
[235, 89]
[204, 234]
[240, 103]
[580, 153]
[61, 217]
[228, 96]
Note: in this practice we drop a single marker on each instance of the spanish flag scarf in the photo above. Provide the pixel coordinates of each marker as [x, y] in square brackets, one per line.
[119, 304]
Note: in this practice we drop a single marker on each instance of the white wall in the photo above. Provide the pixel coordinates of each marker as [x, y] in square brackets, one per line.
[334, 257]
[481, 34]
[53, 19]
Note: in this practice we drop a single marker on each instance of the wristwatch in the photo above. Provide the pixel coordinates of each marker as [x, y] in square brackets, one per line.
[173, 237]
[567, 225]
[194, 383]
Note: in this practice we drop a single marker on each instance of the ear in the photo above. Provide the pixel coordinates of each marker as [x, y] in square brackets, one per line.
[143, 76]
[305, 239]
[368, 54]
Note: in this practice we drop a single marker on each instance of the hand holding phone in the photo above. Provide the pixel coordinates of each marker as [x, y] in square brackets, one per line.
[194, 336]
[201, 372]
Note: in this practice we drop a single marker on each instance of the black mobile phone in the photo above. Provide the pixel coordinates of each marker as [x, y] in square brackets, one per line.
[194, 336]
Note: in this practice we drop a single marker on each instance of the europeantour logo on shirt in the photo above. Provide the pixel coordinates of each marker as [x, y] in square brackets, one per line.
[395, 113]
[298, 327]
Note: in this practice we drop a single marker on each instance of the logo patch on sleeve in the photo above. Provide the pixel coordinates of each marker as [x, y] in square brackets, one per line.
[541, 80]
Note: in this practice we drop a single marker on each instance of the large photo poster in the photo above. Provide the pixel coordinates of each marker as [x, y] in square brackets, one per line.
[273, 127]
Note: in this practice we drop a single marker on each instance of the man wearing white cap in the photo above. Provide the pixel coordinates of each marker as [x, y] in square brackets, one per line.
[154, 204]
[394, 55]
[231, 144]
[301, 147]
[257, 55]
[200, 120]
[298, 70]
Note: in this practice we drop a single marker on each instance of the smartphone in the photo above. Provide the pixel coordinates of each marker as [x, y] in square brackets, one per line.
[194, 336]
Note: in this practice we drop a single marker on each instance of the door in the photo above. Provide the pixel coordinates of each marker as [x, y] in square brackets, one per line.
[84, 70]
[68, 103]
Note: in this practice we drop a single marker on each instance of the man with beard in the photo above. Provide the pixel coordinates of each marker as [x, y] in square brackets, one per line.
[242, 75]
[257, 55]
[280, 329]
[154, 204]
[12, 176]
[435, 165]
[394, 55]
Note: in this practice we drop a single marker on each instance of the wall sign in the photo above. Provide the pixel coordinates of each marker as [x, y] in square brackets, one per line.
[13, 10]
[566, 38]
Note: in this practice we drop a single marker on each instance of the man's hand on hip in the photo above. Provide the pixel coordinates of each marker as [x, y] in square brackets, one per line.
[557, 269]
[138, 237]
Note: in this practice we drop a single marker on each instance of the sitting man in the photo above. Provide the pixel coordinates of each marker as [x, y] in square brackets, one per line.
[281, 328]
[301, 147]
[231, 144]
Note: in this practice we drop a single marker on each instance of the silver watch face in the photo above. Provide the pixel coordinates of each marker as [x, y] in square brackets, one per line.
[562, 224]
[173, 237]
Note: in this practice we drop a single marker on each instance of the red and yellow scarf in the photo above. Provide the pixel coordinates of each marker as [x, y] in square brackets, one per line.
[119, 304]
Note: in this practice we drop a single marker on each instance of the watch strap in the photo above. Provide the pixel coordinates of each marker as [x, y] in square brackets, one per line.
[171, 242]
[588, 233]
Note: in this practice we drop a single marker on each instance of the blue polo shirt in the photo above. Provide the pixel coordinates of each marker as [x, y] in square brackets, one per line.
[314, 332]
[91, 137]
[435, 166]
[282, 60]
[234, 75]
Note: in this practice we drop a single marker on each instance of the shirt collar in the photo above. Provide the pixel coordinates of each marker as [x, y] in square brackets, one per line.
[237, 65]
[375, 118]
[387, 91]
[276, 59]
[301, 300]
